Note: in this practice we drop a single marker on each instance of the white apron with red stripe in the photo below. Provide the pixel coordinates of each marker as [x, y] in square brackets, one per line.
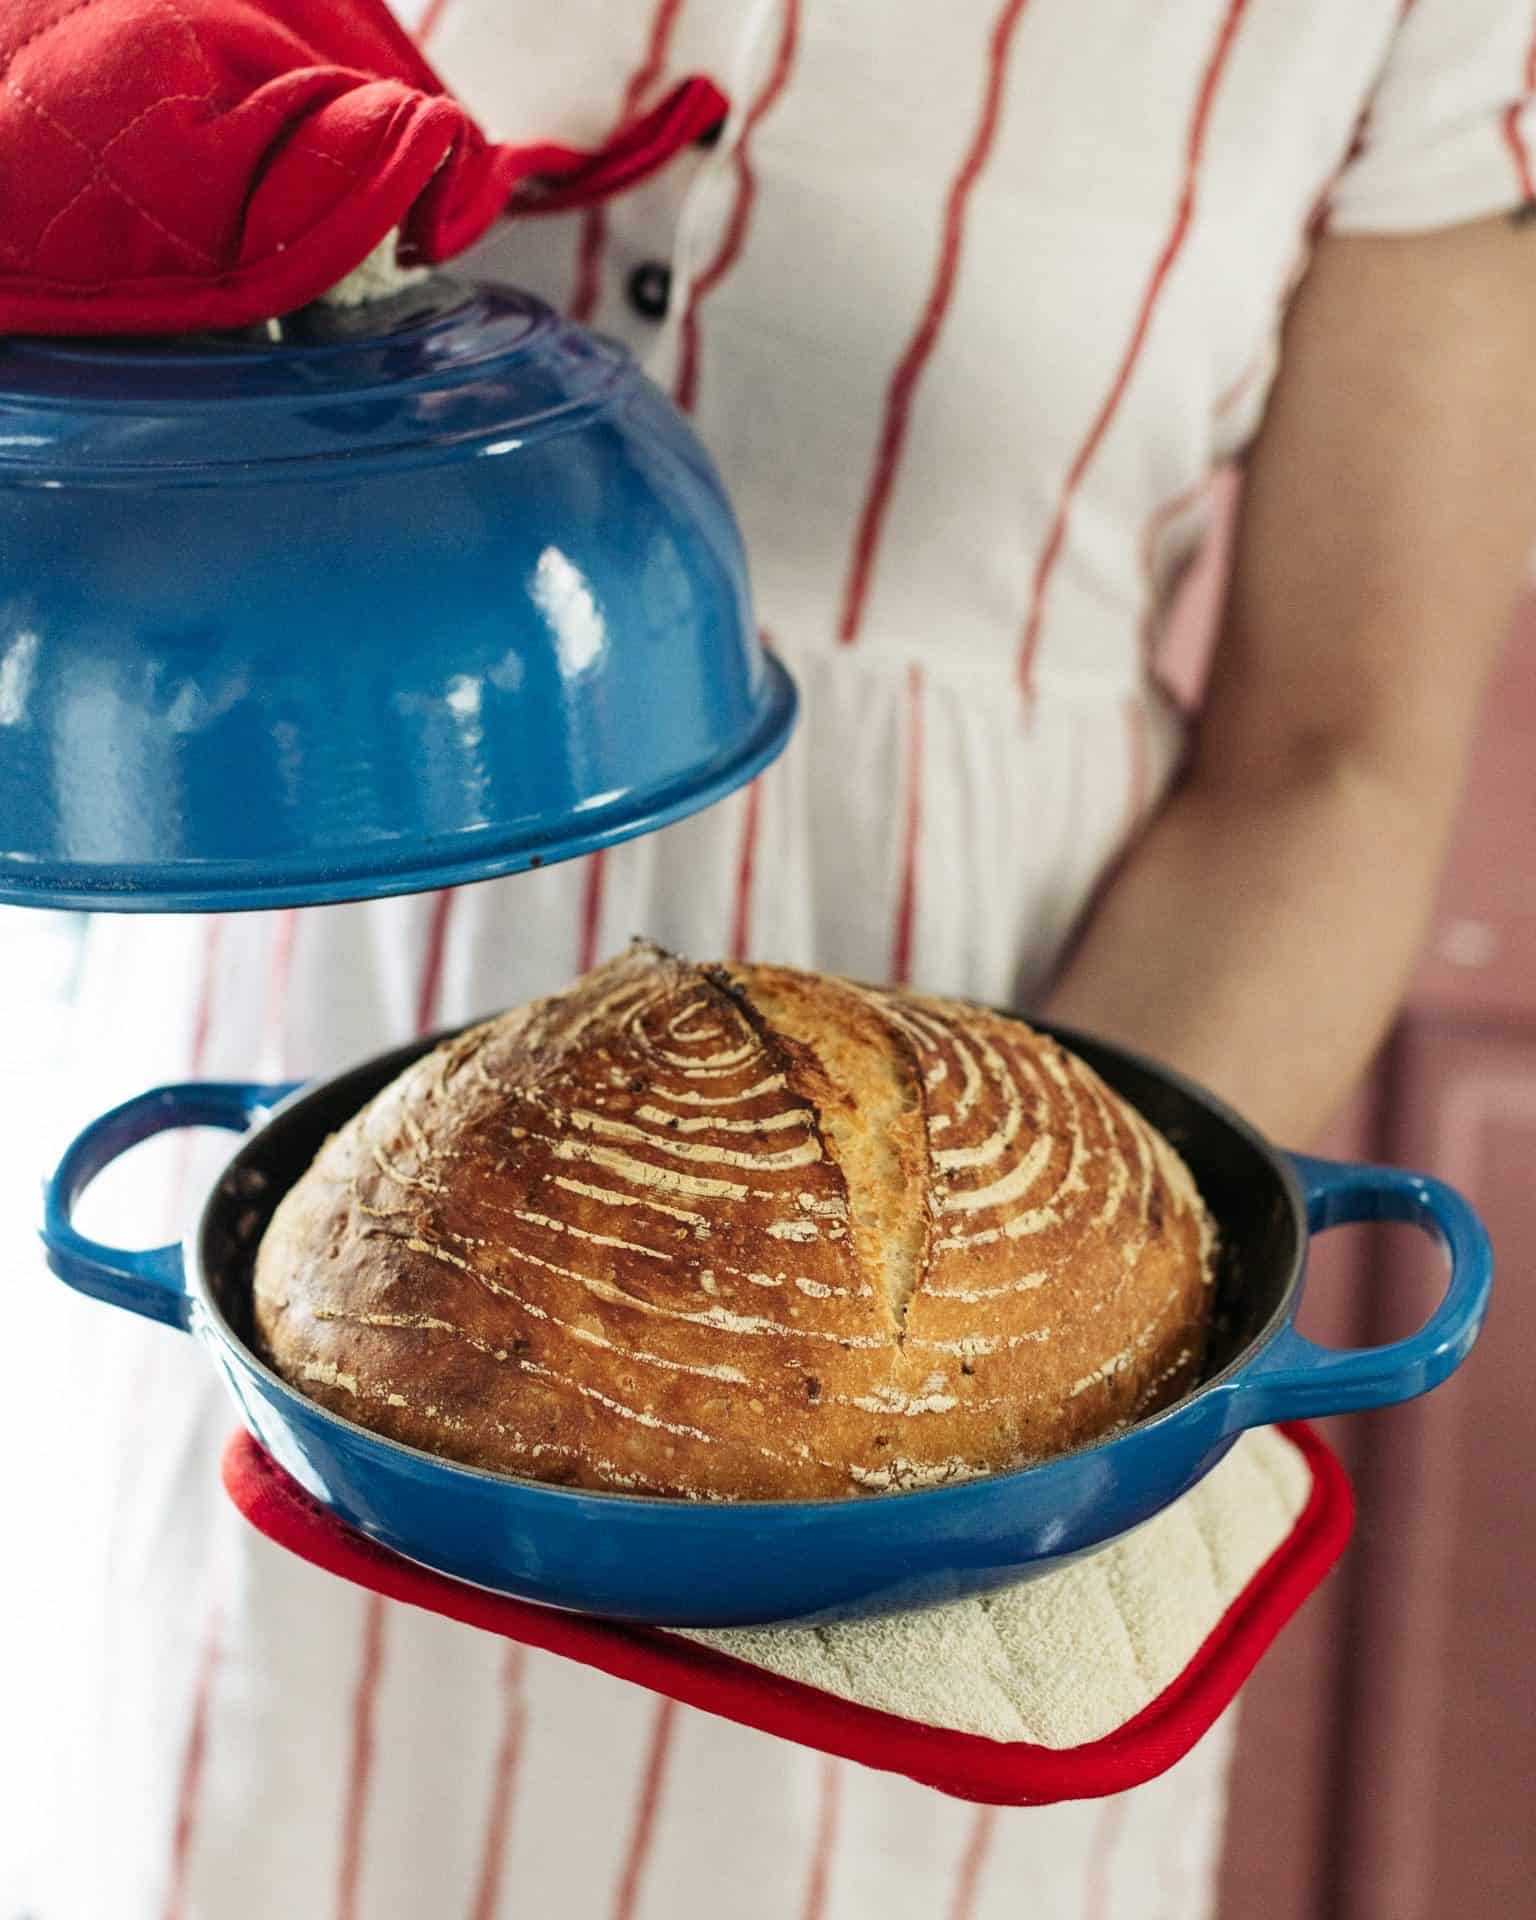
[970, 302]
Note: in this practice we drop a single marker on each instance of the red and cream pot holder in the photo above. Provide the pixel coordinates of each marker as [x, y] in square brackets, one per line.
[1085, 1681]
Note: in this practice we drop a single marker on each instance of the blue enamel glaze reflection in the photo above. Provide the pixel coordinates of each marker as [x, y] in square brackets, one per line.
[322, 620]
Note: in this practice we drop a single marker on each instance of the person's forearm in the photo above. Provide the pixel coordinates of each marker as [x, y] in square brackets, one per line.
[1259, 940]
[1261, 934]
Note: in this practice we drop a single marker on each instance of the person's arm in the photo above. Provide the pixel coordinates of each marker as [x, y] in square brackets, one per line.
[1262, 932]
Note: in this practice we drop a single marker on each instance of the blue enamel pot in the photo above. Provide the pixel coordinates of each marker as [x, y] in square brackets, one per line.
[676, 1563]
[395, 600]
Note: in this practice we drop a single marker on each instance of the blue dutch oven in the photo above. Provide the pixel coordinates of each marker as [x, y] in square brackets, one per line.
[681, 1564]
[395, 600]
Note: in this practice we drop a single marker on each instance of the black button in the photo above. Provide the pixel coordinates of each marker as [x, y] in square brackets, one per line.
[650, 288]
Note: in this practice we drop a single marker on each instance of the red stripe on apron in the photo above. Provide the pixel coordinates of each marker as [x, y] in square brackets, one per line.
[826, 1841]
[274, 1017]
[429, 991]
[594, 882]
[911, 835]
[1173, 1900]
[197, 1058]
[190, 1788]
[972, 1861]
[1156, 601]
[594, 224]
[431, 20]
[1107, 1837]
[375, 1620]
[739, 943]
[909, 369]
[627, 1896]
[488, 1892]
[687, 387]
[741, 912]
[360, 1766]
[1520, 153]
[1173, 246]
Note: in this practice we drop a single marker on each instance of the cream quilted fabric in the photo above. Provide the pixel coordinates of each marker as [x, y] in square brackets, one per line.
[1071, 1656]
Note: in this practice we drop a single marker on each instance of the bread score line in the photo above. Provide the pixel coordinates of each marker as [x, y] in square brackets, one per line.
[741, 1232]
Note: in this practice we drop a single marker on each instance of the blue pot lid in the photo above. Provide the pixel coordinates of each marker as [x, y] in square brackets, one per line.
[406, 597]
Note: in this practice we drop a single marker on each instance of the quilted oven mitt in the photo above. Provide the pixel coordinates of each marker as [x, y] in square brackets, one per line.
[180, 165]
[1086, 1681]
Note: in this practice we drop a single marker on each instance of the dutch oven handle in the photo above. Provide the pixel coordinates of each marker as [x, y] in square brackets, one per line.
[150, 1280]
[1294, 1378]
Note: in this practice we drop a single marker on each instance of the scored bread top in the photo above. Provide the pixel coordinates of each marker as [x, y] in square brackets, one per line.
[741, 1232]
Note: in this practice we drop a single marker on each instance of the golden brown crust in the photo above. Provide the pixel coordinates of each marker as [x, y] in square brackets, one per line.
[741, 1233]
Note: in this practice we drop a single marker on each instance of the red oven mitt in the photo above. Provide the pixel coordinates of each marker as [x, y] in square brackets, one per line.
[177, 165]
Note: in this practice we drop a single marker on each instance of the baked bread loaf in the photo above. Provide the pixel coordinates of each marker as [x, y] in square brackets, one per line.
[740, 1232]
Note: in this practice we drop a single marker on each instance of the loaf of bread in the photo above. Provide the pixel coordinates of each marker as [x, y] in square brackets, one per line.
[739, 1232]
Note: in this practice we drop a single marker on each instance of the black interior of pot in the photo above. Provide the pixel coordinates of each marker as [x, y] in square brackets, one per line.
[1254, 1203]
